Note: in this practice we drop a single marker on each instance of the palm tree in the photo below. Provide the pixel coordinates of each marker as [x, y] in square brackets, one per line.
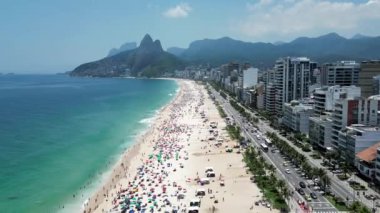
[346, 168]
[321, 172]
[273, 179]
[281, 185]
[325, 180]
[314, 172]
[271, 168]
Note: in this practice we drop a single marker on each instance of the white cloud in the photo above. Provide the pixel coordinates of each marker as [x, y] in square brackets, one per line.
[259, 4]
[303, 17]
[179, 11]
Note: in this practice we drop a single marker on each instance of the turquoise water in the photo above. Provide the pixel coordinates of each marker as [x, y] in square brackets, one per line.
[57, 133]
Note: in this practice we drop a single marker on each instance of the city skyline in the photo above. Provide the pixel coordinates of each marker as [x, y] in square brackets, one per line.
[47, 37]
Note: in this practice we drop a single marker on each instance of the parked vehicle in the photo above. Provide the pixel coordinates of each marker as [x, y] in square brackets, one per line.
[313, 195]
[302, 184]
[301, 191]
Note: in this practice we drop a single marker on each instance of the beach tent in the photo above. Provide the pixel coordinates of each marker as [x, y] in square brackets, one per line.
[200, 192]
[210, 174]
[209, 169]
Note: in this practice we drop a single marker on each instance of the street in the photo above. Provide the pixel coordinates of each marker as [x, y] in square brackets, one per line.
[318, 205]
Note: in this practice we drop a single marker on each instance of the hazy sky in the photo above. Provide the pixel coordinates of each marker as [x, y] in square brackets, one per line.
[57, 35]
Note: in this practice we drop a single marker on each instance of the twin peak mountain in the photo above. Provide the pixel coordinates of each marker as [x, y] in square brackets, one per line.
[149, 59]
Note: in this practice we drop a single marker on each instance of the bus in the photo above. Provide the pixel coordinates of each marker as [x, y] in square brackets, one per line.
[264, 147]
[268, 142]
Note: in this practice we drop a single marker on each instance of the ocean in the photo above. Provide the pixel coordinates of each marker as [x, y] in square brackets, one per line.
[60, 135]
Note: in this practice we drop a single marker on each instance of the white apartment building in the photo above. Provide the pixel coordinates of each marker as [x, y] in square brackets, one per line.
[326, 97]
[292, 80]
[250, 76]
[296, 116]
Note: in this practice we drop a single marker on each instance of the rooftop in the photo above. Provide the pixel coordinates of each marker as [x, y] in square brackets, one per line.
[374, 97]
[368, 154]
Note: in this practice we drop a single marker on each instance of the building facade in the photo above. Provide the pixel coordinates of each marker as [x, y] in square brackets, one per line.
[250, 77]
[320, 132]
[345, 113]
[376, 85]
[365, 161]
[369, 69]
[270, 98]
[325, 97]
[292, 80]
[296, 116]
[356, 138]
[343, 73]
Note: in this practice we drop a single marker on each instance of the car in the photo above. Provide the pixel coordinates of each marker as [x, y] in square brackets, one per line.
[308, 198]
[301, 191]
[273, 151]
[313, 195]
[302, 184]
[287, 171]
[285, 164]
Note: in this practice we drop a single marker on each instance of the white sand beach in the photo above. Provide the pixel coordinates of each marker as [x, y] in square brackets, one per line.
[168, 164]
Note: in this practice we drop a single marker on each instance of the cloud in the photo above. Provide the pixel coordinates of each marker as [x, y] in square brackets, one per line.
[295, 17]
[179, 11]
[259, 4]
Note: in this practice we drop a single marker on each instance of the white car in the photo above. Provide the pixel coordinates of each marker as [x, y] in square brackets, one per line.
[287, 171]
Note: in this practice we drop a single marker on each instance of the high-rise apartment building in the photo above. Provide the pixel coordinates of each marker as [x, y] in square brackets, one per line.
[325, 97]
[343, 73]
[354, 111]
[346, 112]
[292, 80]
[270, 98]
[250, 77]
[369, 69]
[296, 116]
[376, 85]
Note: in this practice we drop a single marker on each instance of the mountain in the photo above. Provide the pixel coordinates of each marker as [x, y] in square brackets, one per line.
[360, 36]
[177, 51]
[326, 48]
[148, 60]
[124, 47]
[278, 43]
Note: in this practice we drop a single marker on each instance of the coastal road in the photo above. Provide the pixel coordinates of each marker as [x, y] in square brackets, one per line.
[318, 205]
[340, 188]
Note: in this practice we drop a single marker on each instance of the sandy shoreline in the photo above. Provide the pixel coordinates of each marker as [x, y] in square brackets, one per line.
[123, 165]
[162, 171]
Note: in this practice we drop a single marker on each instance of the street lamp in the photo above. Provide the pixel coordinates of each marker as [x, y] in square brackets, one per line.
[373, 205]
